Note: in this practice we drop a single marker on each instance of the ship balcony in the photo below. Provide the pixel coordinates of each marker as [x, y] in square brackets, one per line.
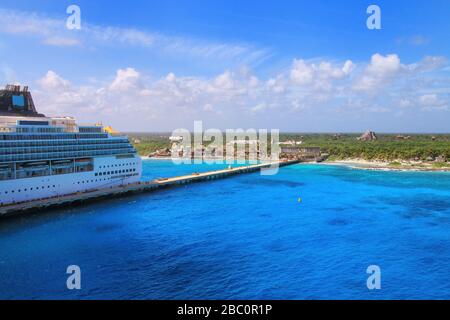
[65, 155]
[68, 148]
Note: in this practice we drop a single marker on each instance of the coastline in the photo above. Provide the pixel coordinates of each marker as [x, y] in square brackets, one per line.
[361, 164]
[402, 166]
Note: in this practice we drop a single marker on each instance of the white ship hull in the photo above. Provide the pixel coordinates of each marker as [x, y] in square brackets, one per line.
[108, 172]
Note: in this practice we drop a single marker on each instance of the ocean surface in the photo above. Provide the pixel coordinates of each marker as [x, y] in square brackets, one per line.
[245, 237]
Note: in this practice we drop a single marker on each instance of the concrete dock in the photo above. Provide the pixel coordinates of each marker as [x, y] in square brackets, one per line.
[77, 198]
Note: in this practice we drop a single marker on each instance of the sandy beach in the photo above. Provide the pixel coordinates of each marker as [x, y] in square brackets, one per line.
[389, 166]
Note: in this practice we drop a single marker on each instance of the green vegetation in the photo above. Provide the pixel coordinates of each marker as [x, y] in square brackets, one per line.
[388, 147]
[440, 165]
[146, 143]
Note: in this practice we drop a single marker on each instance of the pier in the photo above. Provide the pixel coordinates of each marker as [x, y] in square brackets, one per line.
[140, 187]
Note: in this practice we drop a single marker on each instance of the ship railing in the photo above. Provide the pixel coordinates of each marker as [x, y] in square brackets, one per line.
[68, 148]
[64, 155]
[68, 142]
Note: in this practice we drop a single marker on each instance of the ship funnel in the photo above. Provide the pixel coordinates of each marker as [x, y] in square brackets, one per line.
[15, 101]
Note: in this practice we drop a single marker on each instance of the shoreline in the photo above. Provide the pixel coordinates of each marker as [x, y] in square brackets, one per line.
[404, 166]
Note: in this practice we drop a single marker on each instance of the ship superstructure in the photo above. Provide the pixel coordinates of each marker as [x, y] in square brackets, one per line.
[43, 157]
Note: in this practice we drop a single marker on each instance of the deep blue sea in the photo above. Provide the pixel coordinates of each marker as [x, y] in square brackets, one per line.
[245, 237]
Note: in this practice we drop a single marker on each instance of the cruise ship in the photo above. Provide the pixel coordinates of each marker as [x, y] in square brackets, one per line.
[44, 157]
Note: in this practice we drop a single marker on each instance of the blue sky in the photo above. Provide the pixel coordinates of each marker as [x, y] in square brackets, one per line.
[291, 65]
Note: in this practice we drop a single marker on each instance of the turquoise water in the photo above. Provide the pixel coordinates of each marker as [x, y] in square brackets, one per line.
[245, 237]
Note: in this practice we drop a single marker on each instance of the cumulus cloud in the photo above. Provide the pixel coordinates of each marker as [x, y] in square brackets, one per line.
[52, 81]
[312, 87]
[126, 79]
[304, 73]
[384, 70]
[379, 72]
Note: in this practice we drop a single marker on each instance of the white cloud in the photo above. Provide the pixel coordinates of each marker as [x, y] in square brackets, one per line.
[319, 74]
[301, 72]
[379, 72]
[276, 85]
[208, 108]
[126, 79]
[429, 63]
[61, 42]
[405, 103]
[415, 40]
[418, 40]
[53, 31]
[52, 81]
[433, 101]
[113, 35]
[16, 22]
[384, 70]
[239, 96]
[224, 81]
[259, 107]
